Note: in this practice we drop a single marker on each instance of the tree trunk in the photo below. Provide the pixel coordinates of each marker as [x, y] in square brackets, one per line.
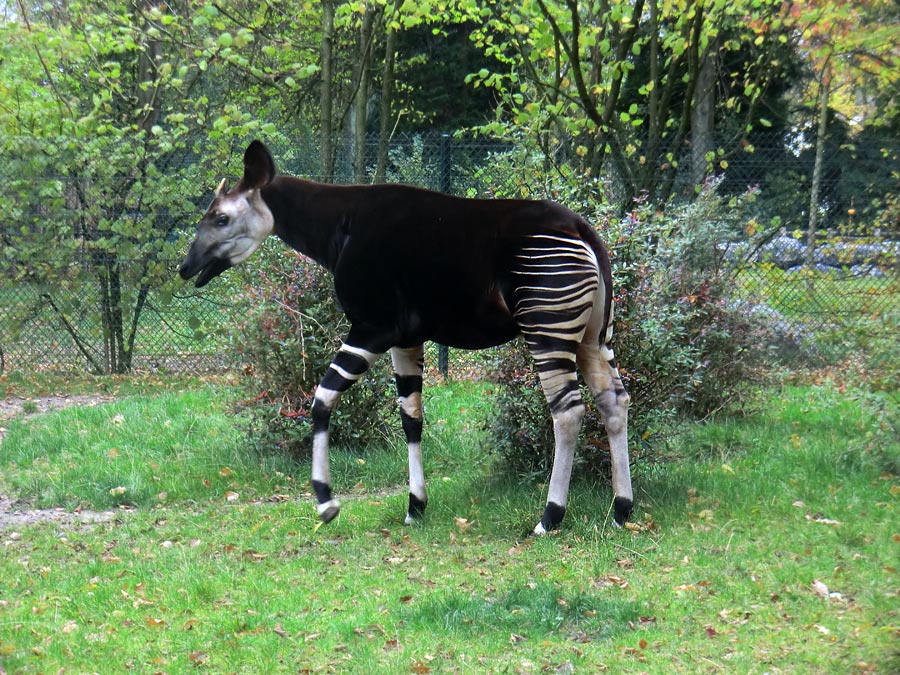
[361, 102]
[703, 118]
[326, 160]
[387, 98]
[824, 84]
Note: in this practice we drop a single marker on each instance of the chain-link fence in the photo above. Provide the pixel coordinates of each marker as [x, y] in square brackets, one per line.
[56, 314]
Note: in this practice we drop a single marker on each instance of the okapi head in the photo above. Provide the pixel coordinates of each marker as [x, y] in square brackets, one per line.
[236, 222]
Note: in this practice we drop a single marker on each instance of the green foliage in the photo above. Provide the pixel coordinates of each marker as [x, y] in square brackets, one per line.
[686, 347]
[95, 164]
[595, 85]
[288, 336]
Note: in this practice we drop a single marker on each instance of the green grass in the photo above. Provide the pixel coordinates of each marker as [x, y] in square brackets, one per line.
[736, 538]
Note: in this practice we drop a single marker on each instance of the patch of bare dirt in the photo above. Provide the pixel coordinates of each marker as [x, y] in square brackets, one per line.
[18, 513]
[16, 406]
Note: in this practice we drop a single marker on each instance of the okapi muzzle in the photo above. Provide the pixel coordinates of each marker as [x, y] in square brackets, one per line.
[204, 264]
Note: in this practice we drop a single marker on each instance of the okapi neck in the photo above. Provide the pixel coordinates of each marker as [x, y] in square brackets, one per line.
[307, 217]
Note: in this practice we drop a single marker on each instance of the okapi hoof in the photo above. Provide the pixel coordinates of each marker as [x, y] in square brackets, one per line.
[553, 516]
[622, 508]
[329, 510]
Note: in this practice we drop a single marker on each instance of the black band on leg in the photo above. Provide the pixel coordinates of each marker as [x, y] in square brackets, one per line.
[412, 427]
[322, 490]
[622, 508]
[320, 415]
[416, 506]
[408, 384]
[553, 516]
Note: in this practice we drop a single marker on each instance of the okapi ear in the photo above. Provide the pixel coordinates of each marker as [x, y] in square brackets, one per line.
[259, 167]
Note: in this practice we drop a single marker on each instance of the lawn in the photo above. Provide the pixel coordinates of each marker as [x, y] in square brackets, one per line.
[769, 544]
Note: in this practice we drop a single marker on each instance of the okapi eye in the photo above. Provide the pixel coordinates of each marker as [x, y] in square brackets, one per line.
[222, 220]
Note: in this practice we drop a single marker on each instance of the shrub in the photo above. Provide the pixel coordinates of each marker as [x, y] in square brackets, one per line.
[291, 331]
[684, 350]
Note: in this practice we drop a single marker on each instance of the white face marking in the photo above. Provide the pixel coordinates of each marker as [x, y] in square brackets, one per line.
[249, 223]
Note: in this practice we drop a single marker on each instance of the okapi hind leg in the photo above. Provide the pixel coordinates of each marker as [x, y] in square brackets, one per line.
[349, 364]
[598, 367]
[408, 365]
[560, 384]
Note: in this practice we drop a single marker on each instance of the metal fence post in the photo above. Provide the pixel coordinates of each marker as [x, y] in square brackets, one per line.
[446, 188]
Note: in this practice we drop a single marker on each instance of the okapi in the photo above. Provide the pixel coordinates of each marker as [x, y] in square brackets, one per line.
[412, 265]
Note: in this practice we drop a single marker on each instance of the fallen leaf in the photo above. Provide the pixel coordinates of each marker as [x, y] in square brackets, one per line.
[155, 623]
[118, 491]
[420, 668]
[198, 658]
[225, 472]
[515, 638]
[231, 496]
[610, 580]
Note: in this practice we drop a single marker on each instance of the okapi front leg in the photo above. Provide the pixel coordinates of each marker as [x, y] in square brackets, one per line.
[349, 364]
[408, 365]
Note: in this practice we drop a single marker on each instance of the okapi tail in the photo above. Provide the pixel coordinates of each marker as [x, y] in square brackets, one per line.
[590, 236]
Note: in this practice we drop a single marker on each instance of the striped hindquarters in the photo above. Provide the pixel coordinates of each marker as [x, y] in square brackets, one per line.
[557, 281]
